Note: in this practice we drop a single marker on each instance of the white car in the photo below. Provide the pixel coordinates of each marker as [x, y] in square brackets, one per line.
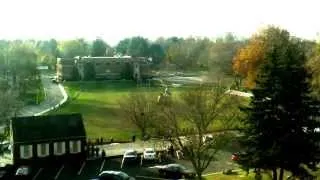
[130, 155]
[149, 154]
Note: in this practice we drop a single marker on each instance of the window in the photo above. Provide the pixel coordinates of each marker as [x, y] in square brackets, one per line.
[26, 151]
[75, 146]
[59, 148]
[43, 150]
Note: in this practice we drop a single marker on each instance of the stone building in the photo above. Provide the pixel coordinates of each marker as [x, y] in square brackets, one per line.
[89, 68]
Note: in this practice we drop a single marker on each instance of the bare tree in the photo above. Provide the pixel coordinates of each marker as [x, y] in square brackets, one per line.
[188, 120]
[138, 108]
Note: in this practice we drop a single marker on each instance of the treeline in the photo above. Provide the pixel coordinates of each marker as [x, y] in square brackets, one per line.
[185, 53]
[18, 64]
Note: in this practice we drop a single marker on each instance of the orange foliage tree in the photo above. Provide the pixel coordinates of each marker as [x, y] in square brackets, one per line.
[248, 58]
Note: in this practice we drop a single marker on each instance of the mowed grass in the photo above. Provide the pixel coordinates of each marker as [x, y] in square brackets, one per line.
[98, 102]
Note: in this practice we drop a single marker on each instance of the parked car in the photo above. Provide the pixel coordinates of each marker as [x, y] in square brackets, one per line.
[23, 173]
[130, 155]
[149, 154]
[176, 171]
[113, 175]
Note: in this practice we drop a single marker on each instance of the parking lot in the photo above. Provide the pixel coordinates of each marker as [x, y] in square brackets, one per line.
[91, 168]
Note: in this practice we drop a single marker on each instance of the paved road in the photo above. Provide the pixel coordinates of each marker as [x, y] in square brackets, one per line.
[118, 149]
[53, 96]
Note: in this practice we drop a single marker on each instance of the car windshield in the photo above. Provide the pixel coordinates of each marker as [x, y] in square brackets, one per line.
[149, 151]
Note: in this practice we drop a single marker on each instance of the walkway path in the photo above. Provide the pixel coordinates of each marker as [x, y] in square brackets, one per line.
[54, 96]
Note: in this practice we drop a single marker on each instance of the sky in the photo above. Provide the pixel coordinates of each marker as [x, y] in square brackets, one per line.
[114, 20]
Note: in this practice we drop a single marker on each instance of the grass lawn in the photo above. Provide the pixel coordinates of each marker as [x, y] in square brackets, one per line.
[241, 175]
[98, 103]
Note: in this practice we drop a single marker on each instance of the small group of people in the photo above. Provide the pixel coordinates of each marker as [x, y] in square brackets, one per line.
[94, 151]
[174, 152]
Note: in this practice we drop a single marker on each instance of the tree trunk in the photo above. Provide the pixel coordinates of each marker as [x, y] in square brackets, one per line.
[274, 174]
[281, 174]
[199, 175]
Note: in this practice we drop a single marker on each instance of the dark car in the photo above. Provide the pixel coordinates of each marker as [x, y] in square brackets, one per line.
[23, 173]
[113, 175]
[176, 171]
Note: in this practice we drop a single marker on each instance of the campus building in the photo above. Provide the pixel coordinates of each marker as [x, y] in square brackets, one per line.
[47, 139]
[112, 68]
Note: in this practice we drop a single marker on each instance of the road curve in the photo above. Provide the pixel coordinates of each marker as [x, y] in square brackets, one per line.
[54, 95]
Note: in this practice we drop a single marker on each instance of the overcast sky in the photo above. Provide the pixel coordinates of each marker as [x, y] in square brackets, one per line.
[115, 19]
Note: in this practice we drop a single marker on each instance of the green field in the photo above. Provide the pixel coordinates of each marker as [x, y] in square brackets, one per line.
[98, 101]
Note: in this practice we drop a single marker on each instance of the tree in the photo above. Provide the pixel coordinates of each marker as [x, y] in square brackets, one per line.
[99, 48]
[221, 53]
[73, 48]
[248, 59]
[188, 121]
[47, 52]
[313, 65]
[138, 47]
[157, 53]
[123, 46]
[10, 105]
[281, 118]
[138, 108]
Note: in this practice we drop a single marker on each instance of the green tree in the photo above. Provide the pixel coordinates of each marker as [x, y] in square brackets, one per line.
[47, 52]
[281, 118]
[313, 65]
[138, 47]
[99, 48]
[122, 46]
[73, 48]
[157, 53]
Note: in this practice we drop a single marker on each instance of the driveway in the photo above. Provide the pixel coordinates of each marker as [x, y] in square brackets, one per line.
[53, 96]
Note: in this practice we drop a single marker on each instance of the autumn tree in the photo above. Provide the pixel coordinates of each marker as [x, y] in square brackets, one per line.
[188, 120]
[138, 108]
[282, 116]
[249, 58]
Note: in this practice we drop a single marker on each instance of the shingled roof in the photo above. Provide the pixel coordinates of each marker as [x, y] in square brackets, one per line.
[46, 128]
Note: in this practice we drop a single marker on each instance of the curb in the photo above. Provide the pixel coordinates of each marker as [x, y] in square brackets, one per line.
[65, 98]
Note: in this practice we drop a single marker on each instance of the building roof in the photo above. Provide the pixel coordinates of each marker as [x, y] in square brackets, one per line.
[43, 128]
